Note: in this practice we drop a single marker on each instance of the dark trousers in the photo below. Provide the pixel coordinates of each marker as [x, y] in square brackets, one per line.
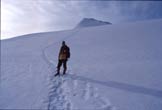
[60, 62]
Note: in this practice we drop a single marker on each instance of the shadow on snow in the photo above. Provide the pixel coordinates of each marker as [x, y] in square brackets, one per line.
[119, 85]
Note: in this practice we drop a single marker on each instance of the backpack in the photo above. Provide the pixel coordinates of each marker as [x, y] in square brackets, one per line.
[65, 52]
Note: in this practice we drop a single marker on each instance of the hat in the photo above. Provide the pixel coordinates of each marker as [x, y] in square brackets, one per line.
[63, 42]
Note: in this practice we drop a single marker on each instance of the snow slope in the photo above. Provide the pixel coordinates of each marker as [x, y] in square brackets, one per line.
[112, 67]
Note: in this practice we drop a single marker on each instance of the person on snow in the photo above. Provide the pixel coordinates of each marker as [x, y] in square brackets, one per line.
[64, 54]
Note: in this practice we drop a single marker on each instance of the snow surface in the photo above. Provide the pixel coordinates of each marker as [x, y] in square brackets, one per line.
[112, 67]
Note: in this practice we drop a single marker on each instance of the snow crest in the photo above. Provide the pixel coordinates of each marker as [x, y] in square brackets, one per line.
[89, 22]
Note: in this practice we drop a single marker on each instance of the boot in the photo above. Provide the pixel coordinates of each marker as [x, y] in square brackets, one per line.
[57, 74]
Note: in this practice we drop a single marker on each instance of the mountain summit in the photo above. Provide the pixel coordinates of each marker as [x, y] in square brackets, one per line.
[88, 22]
